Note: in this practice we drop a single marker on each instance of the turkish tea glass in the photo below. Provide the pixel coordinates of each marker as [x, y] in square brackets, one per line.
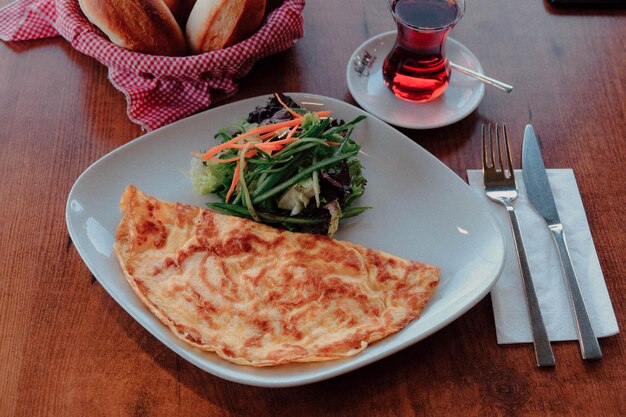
[417, 69]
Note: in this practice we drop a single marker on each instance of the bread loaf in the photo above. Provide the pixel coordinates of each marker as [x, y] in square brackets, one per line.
[146, 26]
[215, 24]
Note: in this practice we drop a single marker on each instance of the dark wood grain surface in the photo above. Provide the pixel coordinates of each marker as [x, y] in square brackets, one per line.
[67, 348]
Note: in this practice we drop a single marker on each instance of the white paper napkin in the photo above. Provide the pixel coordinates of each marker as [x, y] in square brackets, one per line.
[509, 303]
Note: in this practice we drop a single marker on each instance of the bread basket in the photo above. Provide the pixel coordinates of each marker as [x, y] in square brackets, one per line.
[158, 89]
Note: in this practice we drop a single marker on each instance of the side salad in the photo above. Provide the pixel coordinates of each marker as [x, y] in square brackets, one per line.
[286, 166]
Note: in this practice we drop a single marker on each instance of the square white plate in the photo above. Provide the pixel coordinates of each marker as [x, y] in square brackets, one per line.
[421, 211]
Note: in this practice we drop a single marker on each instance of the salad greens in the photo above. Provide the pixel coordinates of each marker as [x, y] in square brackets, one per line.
[285, 166]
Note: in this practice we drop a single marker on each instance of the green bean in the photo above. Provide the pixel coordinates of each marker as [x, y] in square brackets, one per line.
[301, 175]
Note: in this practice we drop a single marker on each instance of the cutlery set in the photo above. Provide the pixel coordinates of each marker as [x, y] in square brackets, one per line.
[500, 186]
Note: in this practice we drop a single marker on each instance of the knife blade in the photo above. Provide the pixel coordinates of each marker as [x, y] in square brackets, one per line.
[541, 198]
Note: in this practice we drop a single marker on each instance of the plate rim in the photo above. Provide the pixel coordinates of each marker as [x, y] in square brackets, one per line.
[264, 381]
[460, 116]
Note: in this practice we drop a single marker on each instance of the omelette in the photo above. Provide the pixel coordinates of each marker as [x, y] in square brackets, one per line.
[260, 296]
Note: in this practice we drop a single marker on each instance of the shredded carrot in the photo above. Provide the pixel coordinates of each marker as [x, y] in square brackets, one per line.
[265, 132]
[291, 132]
[293, 113]
[243, 145]
[270, 128]
[233, 183]
[256, 131]
[264, 138]
[217, 149]
[285, 141]
[325, 113]
[269, 135]
[333, 143]
[269, 147]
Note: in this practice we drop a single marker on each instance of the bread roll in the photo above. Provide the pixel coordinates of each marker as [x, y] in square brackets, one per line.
[215, 24]
[180, 9]
[146, 26]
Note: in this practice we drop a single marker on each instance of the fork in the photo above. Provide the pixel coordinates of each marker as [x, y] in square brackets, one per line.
[500, 187]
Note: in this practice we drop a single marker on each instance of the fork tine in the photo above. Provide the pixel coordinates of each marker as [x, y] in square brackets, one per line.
[484, 148]
[491, 148]
[488, 155]
[499, 147]
[508, 151]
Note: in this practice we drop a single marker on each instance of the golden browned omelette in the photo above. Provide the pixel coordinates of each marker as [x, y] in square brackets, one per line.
[260, 296]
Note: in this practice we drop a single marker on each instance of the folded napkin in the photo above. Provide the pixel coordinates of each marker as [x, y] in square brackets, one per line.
[507, 296]
[158, 89]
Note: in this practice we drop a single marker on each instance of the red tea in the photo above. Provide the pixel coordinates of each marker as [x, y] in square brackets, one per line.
[417, 69]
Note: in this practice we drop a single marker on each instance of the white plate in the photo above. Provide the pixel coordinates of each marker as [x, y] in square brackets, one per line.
[462, 96]
[421, 211]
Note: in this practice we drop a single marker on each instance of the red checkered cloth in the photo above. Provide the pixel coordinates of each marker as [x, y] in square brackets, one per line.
[158, 89]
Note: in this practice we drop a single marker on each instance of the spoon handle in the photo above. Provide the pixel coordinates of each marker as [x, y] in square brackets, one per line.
[487, 80]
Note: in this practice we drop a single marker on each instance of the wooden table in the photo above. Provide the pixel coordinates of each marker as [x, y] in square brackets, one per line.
[67, 348]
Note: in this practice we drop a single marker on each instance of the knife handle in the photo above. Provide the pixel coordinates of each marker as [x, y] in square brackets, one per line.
[589, 345]
[543, 349]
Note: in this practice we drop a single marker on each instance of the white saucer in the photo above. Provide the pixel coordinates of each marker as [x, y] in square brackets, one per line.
[366, 85]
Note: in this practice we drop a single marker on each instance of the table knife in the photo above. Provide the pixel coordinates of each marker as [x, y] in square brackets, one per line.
[541, 198]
